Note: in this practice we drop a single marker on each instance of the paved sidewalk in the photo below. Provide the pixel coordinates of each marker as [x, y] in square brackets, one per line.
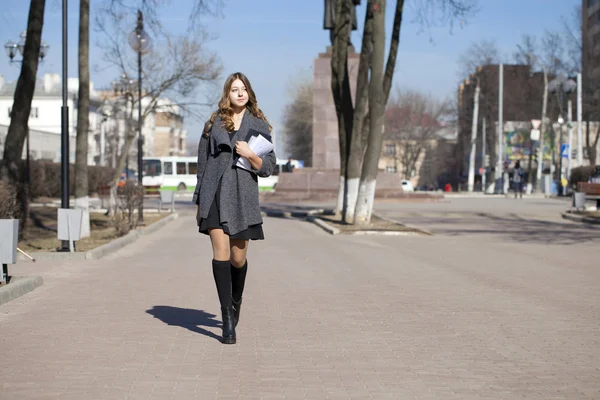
[324, 318]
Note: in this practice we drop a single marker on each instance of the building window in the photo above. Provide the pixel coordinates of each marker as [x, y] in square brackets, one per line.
[391, 169]
[390, 149]
[592, 3]
[168, 168]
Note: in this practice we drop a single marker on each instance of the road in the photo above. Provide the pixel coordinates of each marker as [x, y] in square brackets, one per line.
[501, 303]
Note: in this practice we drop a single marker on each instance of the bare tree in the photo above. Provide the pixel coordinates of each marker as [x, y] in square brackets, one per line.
[21, 108]
[413, 123]
[175, 71]
[483, 52]
[297, 122]
[361, 128]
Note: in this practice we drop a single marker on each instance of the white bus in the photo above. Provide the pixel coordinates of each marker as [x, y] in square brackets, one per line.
[179, 173]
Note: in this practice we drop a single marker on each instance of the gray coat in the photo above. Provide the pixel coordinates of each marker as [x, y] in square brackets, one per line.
[239, 206]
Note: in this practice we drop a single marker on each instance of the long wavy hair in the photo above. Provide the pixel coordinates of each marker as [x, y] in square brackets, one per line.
[225, 111]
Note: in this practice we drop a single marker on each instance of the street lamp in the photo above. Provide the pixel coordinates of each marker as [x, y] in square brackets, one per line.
[563, 86]
[140, 42]
[12, 49]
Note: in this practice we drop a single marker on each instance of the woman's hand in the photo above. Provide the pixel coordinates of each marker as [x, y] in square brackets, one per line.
[243, 149]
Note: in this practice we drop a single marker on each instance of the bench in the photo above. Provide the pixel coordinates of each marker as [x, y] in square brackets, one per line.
[587, 191]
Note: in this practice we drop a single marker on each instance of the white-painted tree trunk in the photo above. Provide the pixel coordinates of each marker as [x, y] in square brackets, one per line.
[351, 198]
[339, 208]
[364, 202]
[83, 203]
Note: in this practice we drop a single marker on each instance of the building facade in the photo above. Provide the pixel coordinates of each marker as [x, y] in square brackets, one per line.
[111, 118]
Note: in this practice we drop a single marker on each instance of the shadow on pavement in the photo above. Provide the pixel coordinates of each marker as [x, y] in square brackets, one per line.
[187, 318]
[288, 210]
[511, 227]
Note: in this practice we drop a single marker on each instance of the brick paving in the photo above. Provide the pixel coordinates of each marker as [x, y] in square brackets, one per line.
[443, 317]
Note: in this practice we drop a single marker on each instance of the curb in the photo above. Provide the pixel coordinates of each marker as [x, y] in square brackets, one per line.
[18, 286]
[323, 225]
[335, 231]
[105, 249]
[579, 219]
[131, 237]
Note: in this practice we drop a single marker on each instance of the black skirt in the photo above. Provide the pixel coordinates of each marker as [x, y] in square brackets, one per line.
[253, 232]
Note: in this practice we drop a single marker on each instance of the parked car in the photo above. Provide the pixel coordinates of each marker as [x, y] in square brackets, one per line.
[407, 187]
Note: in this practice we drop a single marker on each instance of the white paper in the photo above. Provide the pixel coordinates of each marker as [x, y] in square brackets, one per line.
[260, 146]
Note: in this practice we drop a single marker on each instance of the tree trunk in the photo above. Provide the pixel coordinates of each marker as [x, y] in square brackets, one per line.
[359, 134]
[366, 196]
[591, 145]
[83, 118]
[120, 165]
[21, 108]
[340, 87]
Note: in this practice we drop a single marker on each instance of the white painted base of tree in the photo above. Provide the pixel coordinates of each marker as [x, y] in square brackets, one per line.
[83, 203]
[364, 203]
[340, 199]
[351, 196]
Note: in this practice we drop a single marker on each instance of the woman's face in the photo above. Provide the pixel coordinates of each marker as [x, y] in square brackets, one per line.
[238, 96]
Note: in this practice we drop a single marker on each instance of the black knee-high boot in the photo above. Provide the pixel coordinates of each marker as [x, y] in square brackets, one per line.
[222, 277]
[238, 279]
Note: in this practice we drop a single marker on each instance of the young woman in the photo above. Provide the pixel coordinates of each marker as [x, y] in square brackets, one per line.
[227, 196]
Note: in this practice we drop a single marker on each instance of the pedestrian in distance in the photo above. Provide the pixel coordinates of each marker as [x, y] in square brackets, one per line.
[227, 195]
[518, 174]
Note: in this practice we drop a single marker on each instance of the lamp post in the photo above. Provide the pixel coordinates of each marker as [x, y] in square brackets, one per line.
[12, 50]
[140, 43]
[563, 86]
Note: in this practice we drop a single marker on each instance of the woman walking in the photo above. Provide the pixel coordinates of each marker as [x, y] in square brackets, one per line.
[227, 196]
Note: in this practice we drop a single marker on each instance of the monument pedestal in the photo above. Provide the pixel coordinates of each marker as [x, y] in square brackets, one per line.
[326, 147]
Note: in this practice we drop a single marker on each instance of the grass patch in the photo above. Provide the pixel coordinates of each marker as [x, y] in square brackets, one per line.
[40, 234]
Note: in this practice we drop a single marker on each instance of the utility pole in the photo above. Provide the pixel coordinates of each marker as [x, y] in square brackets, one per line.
[579, 122]
[542, 132]
[483, 158]
[499, 162]
[570, 152]
[471, 179]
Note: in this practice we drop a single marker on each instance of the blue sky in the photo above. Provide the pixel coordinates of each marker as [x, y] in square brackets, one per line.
[275, 41]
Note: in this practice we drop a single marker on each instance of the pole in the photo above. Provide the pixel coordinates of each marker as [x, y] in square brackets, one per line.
[540, 164]
[140, 28]
[499, 162]
[471, 178]
[579, 122]
[483, 150]
[64, 120]
[102, 141]
[560, 160]
[570, 126]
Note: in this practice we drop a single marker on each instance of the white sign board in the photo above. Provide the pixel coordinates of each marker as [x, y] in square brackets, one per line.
[9, 238]
[535, 134]
[69, 225]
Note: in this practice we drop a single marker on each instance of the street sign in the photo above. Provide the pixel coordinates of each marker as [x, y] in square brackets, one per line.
[564, 151]
[536, 124]
[535, 134]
